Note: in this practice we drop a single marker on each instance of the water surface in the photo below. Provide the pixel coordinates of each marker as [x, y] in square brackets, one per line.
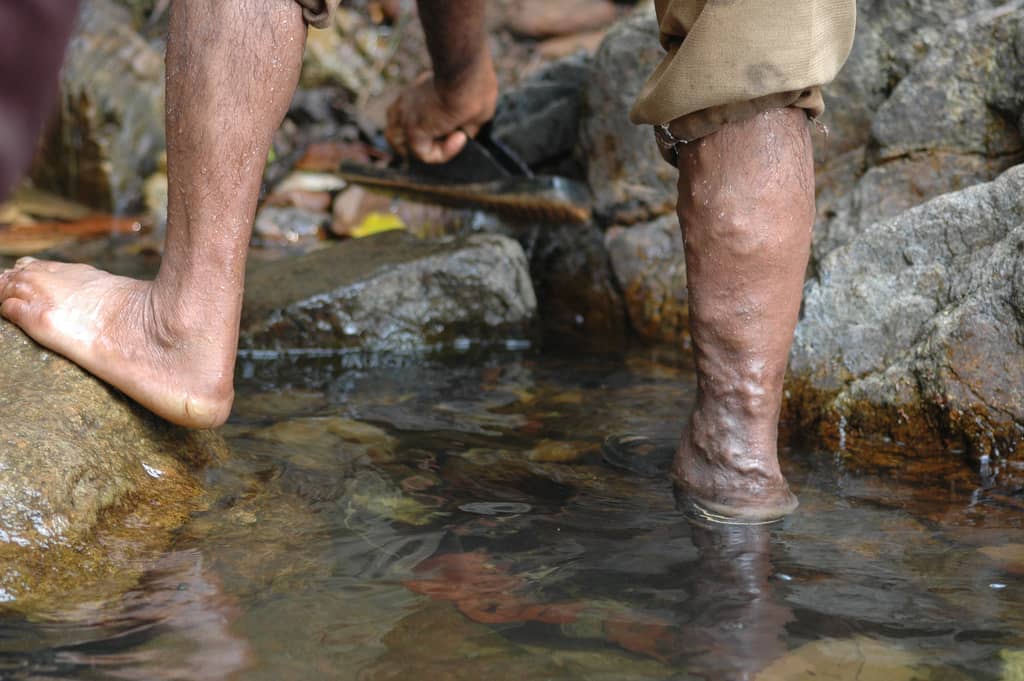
[388, 518]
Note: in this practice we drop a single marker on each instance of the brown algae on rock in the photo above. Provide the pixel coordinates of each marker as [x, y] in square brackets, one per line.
[91, 485]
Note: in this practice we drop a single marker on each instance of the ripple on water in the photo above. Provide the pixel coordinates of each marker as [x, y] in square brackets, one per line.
[468, 519]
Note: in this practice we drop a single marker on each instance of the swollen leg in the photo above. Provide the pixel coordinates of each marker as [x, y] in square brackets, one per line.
[170, 344]
[746, 206]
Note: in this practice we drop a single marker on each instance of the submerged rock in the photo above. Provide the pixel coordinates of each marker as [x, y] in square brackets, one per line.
[90, 484]
[916, 328]
[108, 133]
[391, 292]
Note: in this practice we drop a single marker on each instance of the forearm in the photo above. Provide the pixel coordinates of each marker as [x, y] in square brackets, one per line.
[456, 39]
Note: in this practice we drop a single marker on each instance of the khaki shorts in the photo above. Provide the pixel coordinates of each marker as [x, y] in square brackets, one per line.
[728, 60]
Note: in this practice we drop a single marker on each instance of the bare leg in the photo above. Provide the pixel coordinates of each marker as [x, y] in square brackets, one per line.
[170, 344]
[746, 206]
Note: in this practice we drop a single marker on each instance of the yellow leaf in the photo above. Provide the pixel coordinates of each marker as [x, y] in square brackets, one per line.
[375, 223]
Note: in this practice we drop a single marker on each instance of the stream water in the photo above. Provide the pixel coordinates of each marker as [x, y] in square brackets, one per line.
[459, 519]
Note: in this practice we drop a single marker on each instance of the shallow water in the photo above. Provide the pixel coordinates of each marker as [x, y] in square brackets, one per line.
[455, 519]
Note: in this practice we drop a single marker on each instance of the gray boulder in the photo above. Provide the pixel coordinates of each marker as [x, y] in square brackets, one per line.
[952, 121]
[891, 38]
[916, 328]
[539, 120]
[629, 179]
[108, 131]
[391, 292]
[91, 485]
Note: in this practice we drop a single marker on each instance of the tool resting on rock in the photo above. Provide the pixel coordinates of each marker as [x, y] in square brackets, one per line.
[484, 175]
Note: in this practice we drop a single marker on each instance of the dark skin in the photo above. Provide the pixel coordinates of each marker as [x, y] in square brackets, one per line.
[746, 205]
[232, 67]
[434, 117]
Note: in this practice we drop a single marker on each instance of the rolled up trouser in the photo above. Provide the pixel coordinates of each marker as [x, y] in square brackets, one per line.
[728, 60]
[33, 37]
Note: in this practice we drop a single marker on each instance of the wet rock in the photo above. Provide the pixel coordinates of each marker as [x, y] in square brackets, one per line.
[90, 484]
[343, 55]
[914, 329]
[108, 131]
[575, 286]
[1008, 556]
[629, 179]
[952, 121]
[891, 38]
[560, 451]
[886, 190]
[539, 120]
[854, 659]
[543, 19]
[288, 225]
[563, 46]
[1013, 665]
[650, 268]
[980, 57]
[149, 17]
[391, 292]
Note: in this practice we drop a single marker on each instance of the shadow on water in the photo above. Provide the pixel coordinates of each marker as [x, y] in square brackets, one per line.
[458, 519]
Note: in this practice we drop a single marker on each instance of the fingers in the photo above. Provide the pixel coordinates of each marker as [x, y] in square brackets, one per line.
[453, 144]
[395, 130]
[421, 125]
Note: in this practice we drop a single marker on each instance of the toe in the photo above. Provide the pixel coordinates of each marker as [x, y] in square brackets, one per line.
[24, 262]
[15, 286]
[15, 310]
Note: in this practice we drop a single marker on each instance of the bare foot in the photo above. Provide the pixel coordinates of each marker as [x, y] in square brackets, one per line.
[730, 475]
[161, 350]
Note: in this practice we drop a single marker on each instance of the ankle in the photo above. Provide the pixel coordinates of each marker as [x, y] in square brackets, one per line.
[723, 439]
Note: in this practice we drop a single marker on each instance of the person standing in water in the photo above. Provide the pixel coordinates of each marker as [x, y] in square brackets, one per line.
[730, 105]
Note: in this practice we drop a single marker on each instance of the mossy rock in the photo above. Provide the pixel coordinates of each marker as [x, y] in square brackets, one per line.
[90, 483]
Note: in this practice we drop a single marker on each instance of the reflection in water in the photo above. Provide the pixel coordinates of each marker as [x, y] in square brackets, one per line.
[728, 626]
[461, 521]
[738, 623]
[175, 625]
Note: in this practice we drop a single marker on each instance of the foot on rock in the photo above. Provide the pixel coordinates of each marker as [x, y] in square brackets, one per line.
[172, 354]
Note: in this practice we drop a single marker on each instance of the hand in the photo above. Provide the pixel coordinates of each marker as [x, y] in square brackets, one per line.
[433, 121]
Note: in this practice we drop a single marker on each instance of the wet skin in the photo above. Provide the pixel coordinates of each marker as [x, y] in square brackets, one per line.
[170, 343]
[746, 203]
[746, 207]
